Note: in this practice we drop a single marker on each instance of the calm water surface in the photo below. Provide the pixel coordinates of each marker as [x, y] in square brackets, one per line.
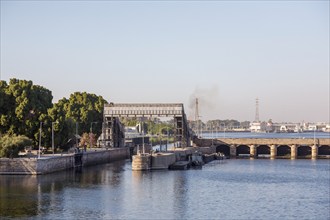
[230, 189]
[265, 135]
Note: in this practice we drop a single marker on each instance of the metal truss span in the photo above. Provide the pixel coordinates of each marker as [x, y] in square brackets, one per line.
[144, 110]
[113, 133]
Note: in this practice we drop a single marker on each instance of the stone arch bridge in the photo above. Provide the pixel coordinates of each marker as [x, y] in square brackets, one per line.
[271, 147]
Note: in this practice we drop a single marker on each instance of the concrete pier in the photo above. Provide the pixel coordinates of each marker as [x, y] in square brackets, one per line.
[273, 151]
[293, 151]
[141, 162]
[253, 152]
[314, 152]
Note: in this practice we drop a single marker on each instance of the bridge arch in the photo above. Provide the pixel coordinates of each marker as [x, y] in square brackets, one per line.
[242, 149]
[223, 148]
[283, 151]
[263, 150]
[304, 151]
[324, 150]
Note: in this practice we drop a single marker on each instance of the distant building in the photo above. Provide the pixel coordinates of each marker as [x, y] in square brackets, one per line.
[270, 126]
[326, 128]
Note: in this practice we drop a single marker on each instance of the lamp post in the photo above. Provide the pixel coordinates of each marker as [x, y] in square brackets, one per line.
[216, 130]
[77, 135]
[53, 136]
[314, 135]
[167, 138]
[224, 131]
[40, 139]
[212, 131]
[91, 133]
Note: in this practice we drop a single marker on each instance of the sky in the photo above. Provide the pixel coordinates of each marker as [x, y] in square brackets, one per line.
[225, 53]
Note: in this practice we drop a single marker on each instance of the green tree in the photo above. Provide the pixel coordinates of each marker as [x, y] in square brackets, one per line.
[22, 105]
[86, 108]
[81, 108]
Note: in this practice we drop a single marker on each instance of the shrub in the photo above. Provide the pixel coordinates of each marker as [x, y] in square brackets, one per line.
[10, 145]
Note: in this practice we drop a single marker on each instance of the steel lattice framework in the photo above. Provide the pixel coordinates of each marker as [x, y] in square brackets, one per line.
[113, 132]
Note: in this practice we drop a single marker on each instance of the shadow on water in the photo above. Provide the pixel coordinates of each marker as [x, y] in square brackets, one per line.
[27, 196]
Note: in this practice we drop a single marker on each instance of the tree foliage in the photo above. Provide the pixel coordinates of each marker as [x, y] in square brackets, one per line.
[24, 106]
[86, 140]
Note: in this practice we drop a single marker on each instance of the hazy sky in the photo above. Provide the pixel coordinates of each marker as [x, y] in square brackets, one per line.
[226, 53]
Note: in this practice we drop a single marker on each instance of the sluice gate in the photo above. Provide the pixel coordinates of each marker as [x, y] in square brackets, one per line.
[113, 134]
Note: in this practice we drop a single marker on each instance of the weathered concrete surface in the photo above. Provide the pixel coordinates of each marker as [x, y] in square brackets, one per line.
[182, 153]
[162, 160]
[18, 166]
[141, 162]
[53, 164]
[35, 165]
[106, 156]
[49, 164]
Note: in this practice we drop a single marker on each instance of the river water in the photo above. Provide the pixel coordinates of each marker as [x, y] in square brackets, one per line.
[265, 135]
[229, 189]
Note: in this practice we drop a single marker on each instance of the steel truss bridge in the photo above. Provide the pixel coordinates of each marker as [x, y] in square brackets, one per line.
[113, 133]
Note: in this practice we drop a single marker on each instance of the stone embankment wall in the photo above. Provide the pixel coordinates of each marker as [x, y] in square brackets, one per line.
[49, 164]
[18, 166]
[99, 157]
[53, 164]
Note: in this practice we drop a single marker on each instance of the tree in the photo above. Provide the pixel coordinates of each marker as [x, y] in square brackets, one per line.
[82, 108]
[64, 128]
[86, 108]
[86, 140]
[21, 106]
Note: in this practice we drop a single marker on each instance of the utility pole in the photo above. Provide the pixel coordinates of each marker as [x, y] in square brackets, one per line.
[212, 131]
[40, 139]
[257, 110]
[91, 133]
[197, 118]
[76, 134]
[53, 137]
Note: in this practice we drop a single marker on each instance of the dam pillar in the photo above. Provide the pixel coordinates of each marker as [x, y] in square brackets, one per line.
[253, 151]
[141, 162]
[294, 151]
[314, 151]
[233, 151]
[273, 151]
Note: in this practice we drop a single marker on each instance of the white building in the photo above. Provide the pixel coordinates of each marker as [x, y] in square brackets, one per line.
[255, 127]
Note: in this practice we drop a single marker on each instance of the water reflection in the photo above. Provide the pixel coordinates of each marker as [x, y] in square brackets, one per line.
[180, 188]
[232, 189]
[23, 196]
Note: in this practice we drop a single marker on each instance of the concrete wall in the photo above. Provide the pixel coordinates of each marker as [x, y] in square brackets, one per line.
[99, 157]
[53, 164]
[49, 164]
[35, 165]
[162, 160]
[18, 166]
